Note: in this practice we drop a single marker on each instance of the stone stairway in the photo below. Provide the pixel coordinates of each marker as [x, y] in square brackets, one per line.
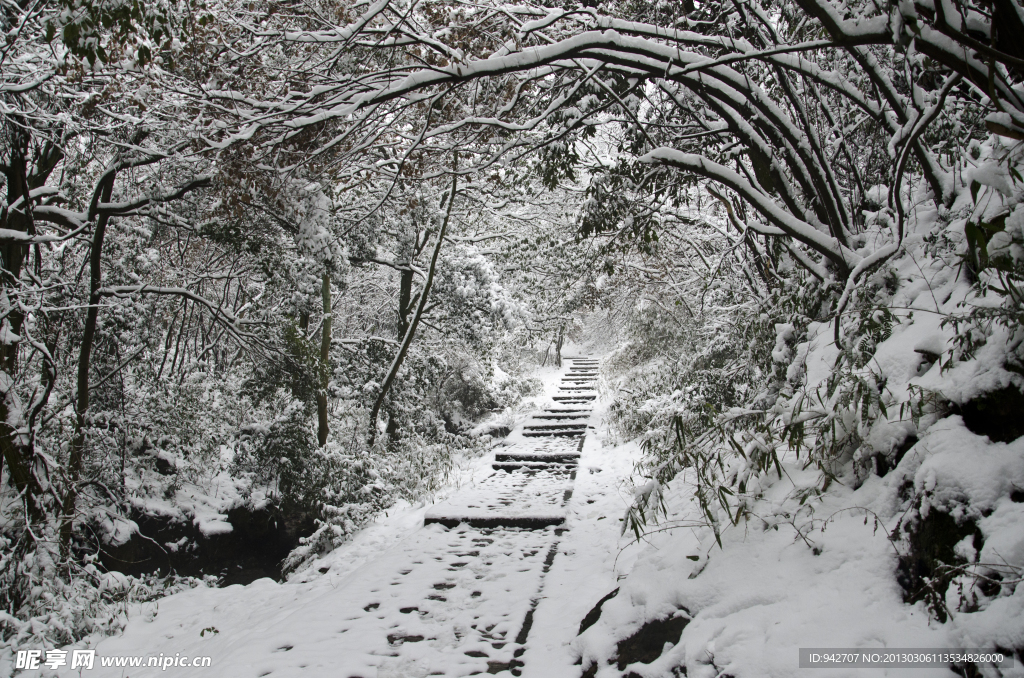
[538, 471]
[503, 534]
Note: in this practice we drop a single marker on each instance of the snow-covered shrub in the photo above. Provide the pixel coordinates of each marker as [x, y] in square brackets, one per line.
[43, 608]
[993, 250]
[737, 393]
[345, 490]
[887, 416]
[470, 390]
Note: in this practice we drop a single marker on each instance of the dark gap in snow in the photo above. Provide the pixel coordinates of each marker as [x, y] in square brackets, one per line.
[254, 548]
[595, 612]
[398, 639]
[901, 452]
[928, 568]
[649, 641]
[498, 667]
[550, 558]
[996, 414]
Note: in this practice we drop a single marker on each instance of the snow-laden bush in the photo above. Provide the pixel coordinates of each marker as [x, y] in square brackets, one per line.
[44, 609]
[730, 389]
[885, 434]
[740, 394]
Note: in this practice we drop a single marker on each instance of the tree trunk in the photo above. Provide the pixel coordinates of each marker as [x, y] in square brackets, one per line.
[77, 450]
[404, 302]
[325, 363]
[411, 332]
[15, 443]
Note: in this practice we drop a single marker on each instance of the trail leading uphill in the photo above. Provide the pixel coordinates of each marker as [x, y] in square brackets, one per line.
[493, 581]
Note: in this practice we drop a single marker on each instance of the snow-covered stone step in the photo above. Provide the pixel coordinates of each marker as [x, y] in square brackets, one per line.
[574, 398]
[562, 417]
[556, 432]
[564, 467]
[507, 500]
[535, 457]
[560, 452]
[572, 435]
[560, 433]
[542, 447]
[556, 421]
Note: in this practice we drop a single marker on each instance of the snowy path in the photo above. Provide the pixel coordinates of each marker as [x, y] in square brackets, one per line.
[495, 582]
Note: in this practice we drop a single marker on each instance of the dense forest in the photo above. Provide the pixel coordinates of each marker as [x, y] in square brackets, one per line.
[272, 266]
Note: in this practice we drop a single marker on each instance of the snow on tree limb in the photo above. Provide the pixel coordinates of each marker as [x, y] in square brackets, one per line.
[801, 231]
